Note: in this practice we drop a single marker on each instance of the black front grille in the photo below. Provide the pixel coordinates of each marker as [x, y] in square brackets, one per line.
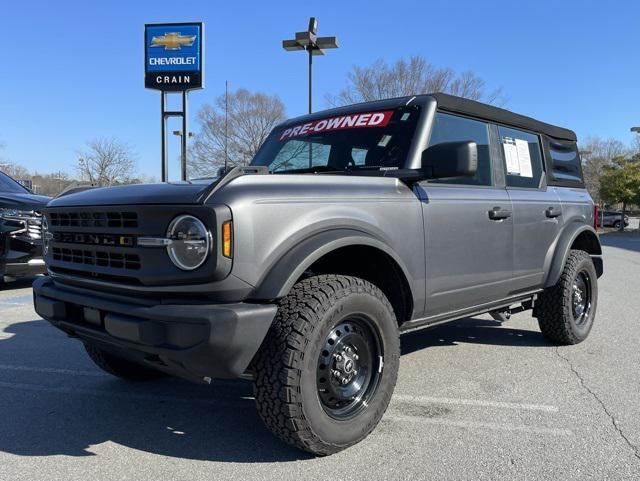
[101, 242]
[111, 219]
[114, 260]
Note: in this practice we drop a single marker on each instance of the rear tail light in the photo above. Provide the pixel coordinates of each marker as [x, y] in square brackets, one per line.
[595, 216]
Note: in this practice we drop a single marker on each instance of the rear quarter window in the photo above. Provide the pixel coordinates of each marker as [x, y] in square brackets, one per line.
[564, 162]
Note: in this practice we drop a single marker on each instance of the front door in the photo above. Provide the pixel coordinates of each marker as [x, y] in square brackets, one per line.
[468, 227]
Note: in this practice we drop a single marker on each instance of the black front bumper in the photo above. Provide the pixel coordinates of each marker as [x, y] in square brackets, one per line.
[188, 339]
[20, 255]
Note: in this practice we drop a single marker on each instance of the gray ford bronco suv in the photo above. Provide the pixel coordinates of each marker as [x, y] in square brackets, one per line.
[300, 271]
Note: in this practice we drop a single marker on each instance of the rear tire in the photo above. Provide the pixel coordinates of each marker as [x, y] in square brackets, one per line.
[326, 371]
[120, 367]
[616, 225]
[566, 310]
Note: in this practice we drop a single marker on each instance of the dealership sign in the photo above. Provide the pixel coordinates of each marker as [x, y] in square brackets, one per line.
[173, 56]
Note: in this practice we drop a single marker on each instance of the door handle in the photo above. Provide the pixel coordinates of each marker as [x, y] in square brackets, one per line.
[552, 213]
[498, 213]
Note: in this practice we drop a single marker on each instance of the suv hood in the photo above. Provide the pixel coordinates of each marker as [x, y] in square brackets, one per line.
[23, 201]
[164, 193]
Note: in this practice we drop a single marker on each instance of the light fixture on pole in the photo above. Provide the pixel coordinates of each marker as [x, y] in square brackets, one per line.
[313, 44]
[179, 133]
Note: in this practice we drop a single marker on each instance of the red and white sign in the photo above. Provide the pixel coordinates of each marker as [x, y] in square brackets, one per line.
[352, 121]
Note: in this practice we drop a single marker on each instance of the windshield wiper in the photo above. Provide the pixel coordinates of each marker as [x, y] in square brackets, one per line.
[315, 168]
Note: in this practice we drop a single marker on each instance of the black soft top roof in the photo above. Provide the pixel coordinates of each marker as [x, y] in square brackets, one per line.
[460, 105]
[449, 103]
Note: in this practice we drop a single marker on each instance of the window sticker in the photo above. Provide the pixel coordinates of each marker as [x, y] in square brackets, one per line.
[524, 158]
[352, 121]
[511, 156]
[517, 157]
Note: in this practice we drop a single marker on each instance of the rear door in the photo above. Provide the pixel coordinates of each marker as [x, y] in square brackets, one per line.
[537, 210]
[468, 226]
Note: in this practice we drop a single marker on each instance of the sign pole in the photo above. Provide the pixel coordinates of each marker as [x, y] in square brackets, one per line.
[185, 134]
[163, 137]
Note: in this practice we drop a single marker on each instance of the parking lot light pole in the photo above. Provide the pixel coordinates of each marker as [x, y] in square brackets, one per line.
[313, 44]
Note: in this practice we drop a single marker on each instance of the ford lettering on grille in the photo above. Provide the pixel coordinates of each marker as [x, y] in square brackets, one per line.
[94, 239]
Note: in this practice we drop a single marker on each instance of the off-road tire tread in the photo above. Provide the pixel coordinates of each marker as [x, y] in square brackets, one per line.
[122, 368]
[279, 361]
[553, 307]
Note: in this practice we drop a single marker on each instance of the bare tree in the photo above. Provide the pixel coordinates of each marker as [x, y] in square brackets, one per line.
[12, 169]
[106, 162]
[251, 116]
[597, 154]
[411, 77]
[51, 184]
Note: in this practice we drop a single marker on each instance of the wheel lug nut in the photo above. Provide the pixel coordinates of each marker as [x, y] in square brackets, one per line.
[338, 357]
[345, 380]
[356, 357]
[336, 373]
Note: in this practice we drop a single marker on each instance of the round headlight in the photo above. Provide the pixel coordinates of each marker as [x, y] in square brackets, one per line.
[45, 235]
[190, 242]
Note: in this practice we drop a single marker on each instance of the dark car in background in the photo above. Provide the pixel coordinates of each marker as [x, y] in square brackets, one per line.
[612, 219]
[20, 230]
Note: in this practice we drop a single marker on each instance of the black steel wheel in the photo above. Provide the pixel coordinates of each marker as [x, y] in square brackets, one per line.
[326, 371]
[566, 310]
[581, 297]
[349, 368]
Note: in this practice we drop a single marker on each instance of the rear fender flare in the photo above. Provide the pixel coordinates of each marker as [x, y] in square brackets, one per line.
[563, 246]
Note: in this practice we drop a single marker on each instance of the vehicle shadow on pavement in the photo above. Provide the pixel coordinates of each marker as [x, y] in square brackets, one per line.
[625, 240]
[471, 331]
[57, 403]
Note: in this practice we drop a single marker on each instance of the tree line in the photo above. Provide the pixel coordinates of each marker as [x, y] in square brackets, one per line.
[105, 161]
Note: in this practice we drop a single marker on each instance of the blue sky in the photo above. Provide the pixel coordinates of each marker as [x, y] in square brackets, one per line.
[71, 70]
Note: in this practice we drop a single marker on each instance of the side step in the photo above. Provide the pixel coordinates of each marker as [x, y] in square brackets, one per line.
[504, 314]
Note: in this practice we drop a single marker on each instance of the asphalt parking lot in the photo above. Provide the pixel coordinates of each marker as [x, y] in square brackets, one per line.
[475, 400]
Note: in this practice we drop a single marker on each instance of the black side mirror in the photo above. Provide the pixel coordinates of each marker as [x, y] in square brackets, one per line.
[450, 159]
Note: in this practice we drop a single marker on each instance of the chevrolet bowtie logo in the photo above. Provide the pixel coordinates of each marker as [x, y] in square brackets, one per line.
[173, 41]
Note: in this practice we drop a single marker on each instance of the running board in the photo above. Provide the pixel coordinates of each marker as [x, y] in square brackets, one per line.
[526, 300]
[503, 315]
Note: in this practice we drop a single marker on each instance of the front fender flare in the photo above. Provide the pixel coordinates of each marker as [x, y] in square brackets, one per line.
[280, 278]
[568, 236]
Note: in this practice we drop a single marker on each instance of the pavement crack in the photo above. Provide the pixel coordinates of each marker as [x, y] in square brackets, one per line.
[614, 421]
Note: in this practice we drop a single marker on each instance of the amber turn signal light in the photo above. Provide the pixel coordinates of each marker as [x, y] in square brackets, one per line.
[227, 239]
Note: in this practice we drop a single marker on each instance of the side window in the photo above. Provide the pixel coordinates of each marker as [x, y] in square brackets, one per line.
[565, 161]
[451, 128]
[523, 157]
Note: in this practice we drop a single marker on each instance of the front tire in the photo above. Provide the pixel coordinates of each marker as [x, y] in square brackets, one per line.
[328, 366]
[566, 310]
[120, 367]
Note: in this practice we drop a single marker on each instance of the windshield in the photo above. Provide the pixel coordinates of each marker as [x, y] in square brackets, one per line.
[362, 141]
[8, 185]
